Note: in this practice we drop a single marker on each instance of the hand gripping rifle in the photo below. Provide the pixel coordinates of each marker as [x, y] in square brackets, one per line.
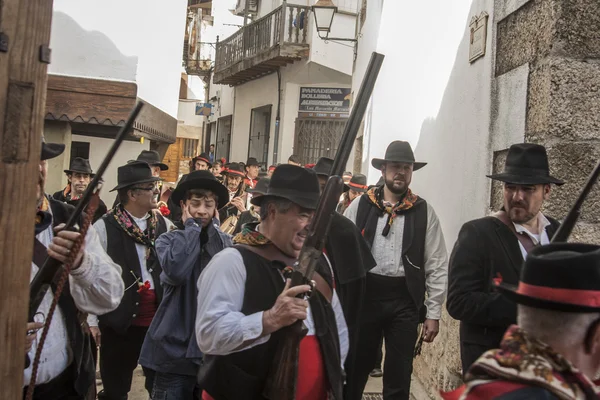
[281, 384]
[565, 229]
[51, 267]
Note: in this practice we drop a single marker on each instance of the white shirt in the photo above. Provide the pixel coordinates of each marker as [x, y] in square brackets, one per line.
[387, 252]
[537, 238]
[141, 249]
[221, 327]
[96, 287]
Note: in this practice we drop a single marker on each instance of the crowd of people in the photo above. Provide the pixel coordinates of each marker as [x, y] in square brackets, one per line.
[193, 284]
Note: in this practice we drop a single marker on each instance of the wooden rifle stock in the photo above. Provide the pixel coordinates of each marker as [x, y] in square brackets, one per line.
[565, 229]
[42, 280]
[281, 383]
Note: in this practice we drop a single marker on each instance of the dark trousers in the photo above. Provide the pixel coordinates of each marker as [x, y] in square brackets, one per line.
[173, 386]
[389, 311]
[59, 388]
[119, 356]
[379, 359]
[469, 353]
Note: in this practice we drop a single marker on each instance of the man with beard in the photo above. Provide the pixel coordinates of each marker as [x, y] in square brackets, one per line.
[66, 370]
[79, 176]
[496, 246]
[406, 240]
[128, 233]
[170, 347]
[245, 299]
[201, 163]
[234, 181]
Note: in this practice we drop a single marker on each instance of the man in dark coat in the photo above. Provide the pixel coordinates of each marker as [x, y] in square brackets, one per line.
[253, 214]
[495, 246]
[79, 176]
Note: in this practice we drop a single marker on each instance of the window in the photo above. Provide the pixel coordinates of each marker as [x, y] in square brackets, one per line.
[223, 137]
[80, 149]
[189, 147]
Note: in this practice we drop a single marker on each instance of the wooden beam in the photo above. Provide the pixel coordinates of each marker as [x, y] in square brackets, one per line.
[23, 79]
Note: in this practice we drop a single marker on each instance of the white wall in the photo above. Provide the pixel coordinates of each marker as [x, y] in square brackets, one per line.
[151, 30]
[98, 148]
[187, 113]
[334, 55]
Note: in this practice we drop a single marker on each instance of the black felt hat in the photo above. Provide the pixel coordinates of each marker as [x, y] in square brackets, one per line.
[323, 168]
[234, 169]
[80, 165]
[358, 183]
[297, 184]
[201, 180]
[261, 186]
[152, 158]
[252, 162]
[562, 277]
[526, 164]
[398, 151]
[51, 150]
[134, 172]
[202, 157]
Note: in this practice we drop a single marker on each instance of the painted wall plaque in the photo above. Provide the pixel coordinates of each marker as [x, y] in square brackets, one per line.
[478, 40]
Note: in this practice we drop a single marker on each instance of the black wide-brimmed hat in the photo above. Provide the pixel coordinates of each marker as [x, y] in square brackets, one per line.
[358, 183]
[134, 172]
[261, 186]
[297, 184]
[202, 157]
[51, 150]
[234, 169]
[252, 162]
[152, 158]
[398, 151]
[201, 180]
[80, 165]
[526, 164]
[323, 168]
[562, 277]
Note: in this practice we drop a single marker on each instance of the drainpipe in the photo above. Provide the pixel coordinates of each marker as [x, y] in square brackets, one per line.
[277, 119]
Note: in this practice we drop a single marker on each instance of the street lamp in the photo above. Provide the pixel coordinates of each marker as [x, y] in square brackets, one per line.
[324, 10]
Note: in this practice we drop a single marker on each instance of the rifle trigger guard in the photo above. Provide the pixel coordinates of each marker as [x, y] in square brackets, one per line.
[313, 287]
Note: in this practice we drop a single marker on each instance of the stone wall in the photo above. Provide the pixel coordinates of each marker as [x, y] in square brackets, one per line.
[545, 89]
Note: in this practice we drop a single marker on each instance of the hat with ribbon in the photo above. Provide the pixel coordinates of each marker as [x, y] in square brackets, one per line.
[398, 151]
[201, 180]
[80, 165]
[272, 167]
[358, 183]
[261, 186]
[526, 164]
[152, 158]
[202, 157]
[134, 172]
[323, 168]
[561, 277]
[234, 169]
[51, 150]
[296, 184]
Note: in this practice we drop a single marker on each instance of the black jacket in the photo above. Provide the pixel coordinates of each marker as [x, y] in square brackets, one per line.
[100, 211]
[486, 249]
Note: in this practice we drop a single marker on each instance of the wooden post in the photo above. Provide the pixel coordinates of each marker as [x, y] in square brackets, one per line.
[25, 27]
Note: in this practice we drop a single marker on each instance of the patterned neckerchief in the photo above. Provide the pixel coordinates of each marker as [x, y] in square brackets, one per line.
[250, 236]
[126, 223]
[375, 196]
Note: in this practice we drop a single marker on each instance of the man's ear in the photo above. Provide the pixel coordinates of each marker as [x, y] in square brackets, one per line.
[547, 190]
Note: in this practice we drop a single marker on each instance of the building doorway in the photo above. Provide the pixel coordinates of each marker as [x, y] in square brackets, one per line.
[317, 137]
[260, 126]
[223, 142]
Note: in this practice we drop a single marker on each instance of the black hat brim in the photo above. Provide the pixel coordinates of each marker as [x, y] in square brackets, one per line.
[51, 150]
[163, 167]
[525, 180]
[72, 171]
[377, 163]
[510, 292]
[201, 183]
[124, 185]
[304, 201]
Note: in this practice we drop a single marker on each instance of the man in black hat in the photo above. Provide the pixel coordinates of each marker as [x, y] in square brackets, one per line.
[496, 245]
[234, 181]
[407, 242]
[153, 159]
[79, 176]
[170, 347]
[554, 352]
[252, 215]
[357, 185]
[66, 369]
[252, 169]
[246, 300]
[128, 233]
[201, 163]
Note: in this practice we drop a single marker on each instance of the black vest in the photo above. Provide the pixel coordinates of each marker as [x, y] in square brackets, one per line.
[243, 375]
[121, 248]
[413, 242]
[83, 366]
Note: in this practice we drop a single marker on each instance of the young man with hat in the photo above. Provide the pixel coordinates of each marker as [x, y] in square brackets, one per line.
[128, 234]
[201, 163]
[406, 239]
[245, 300]
[357, 186]
[252, 215]
[170, 348]
[79, 176]
[252, 169]
[234, 181]
[66, 369]
[497, 245]
[554, 352]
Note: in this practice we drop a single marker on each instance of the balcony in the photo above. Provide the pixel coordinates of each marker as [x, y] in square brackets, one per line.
[260, 48]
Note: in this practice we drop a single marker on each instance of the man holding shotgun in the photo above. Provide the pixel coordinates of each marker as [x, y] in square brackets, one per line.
[66, 370]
